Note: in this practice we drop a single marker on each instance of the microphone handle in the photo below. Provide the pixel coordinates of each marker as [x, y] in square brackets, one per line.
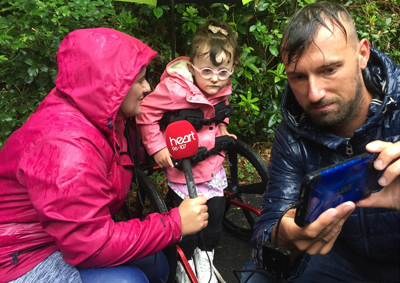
[187, 169]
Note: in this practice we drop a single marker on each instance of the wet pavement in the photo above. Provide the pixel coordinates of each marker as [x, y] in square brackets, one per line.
[231, 253]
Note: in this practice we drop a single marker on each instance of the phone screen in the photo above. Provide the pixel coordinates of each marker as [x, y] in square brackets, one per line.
[351, 180]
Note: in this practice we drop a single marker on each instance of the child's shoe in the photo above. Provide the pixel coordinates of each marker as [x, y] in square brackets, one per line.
[181, 275]
[204, 267]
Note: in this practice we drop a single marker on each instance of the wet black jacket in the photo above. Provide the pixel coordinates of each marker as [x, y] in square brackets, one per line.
[299, 148]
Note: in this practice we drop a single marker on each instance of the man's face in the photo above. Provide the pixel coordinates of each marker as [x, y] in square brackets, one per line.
[327, 80]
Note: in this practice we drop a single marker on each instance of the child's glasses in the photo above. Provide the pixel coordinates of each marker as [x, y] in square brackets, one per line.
[208, 73]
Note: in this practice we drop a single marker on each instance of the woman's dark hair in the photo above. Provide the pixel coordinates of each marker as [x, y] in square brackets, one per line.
[217, 42]
[301, 30]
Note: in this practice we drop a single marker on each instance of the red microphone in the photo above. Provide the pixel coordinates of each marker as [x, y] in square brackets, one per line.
[182, 143]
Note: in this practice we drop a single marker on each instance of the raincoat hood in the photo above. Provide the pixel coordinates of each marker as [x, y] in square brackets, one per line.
[66, 171]
[96, 68]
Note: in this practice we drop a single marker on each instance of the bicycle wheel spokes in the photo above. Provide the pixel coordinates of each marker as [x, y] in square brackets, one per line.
[247, 180]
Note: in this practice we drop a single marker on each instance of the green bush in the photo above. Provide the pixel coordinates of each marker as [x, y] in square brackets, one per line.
[31, 32]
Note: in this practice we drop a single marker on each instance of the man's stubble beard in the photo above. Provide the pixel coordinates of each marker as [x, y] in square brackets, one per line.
[344, 114]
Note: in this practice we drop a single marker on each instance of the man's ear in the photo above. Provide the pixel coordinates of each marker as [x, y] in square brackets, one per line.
[364, 51]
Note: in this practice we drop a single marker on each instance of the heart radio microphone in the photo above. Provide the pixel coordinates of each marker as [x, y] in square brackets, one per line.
[182, 143]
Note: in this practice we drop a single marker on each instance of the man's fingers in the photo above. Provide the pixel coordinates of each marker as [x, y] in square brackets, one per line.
[391, 173]
[389, 152]
[377, 146]
[388, 197]
[325, 230]
[374, 200]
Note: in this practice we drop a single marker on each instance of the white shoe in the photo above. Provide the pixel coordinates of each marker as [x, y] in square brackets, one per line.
[181, 275]
[204, 267]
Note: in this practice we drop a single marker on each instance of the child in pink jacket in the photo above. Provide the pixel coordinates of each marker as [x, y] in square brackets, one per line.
[198, 82]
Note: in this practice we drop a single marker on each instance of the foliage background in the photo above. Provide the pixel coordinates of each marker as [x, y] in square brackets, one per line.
[32, 30]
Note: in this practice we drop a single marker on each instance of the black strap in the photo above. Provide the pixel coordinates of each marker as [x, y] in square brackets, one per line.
[196, 116]
[221, 143]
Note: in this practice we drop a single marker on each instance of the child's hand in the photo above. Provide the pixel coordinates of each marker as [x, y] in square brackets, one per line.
[162, 158]
[224, 132]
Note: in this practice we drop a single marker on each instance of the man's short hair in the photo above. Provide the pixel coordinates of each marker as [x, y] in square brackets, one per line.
[301, 30]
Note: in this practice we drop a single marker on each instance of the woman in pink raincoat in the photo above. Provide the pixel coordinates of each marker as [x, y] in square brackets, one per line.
[64, 173]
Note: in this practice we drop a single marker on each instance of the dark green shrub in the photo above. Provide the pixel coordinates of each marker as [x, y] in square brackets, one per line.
[31, 31]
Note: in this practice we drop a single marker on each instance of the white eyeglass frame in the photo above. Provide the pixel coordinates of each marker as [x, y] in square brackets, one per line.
[214, 73]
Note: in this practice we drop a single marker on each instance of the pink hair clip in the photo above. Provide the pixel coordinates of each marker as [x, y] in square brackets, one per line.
[215, 29]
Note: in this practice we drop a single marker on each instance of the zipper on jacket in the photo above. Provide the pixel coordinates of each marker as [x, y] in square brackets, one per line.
[349, 149]
[15, 255]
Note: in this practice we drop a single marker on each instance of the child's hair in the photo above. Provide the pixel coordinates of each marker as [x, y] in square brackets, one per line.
[215, 37]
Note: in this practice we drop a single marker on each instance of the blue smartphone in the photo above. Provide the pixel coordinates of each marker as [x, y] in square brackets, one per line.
[351, 180]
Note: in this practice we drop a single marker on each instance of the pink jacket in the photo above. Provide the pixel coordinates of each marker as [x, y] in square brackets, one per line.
[176, 91]
[61, 173]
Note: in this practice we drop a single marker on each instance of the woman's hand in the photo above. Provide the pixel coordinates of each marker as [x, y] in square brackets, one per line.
[163, 158]
[389, 158]
[224, 132]
[194, 215]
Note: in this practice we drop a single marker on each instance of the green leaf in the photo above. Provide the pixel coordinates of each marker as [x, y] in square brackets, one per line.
[43, 68]
[33, 71]
[21, 109]
[29, 61]
[280, 69]
[251, 59]
[158, 12]
[248, 75]
[388, 21]
[274, 51]
[253, 67]
[272, 120]
[241, 29]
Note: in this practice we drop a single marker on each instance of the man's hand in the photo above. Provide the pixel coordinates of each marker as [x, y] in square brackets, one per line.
[317, 237]
[194, 215]
[389, 158]
[163, 158]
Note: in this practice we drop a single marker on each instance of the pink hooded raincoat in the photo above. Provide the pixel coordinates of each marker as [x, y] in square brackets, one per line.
[62, 175]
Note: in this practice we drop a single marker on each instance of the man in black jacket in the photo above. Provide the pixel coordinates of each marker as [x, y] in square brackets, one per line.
[342, 95]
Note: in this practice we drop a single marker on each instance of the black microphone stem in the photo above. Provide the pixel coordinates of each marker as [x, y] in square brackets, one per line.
[187, 169]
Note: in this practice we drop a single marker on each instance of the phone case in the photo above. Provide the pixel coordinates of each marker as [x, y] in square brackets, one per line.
[351, 180]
